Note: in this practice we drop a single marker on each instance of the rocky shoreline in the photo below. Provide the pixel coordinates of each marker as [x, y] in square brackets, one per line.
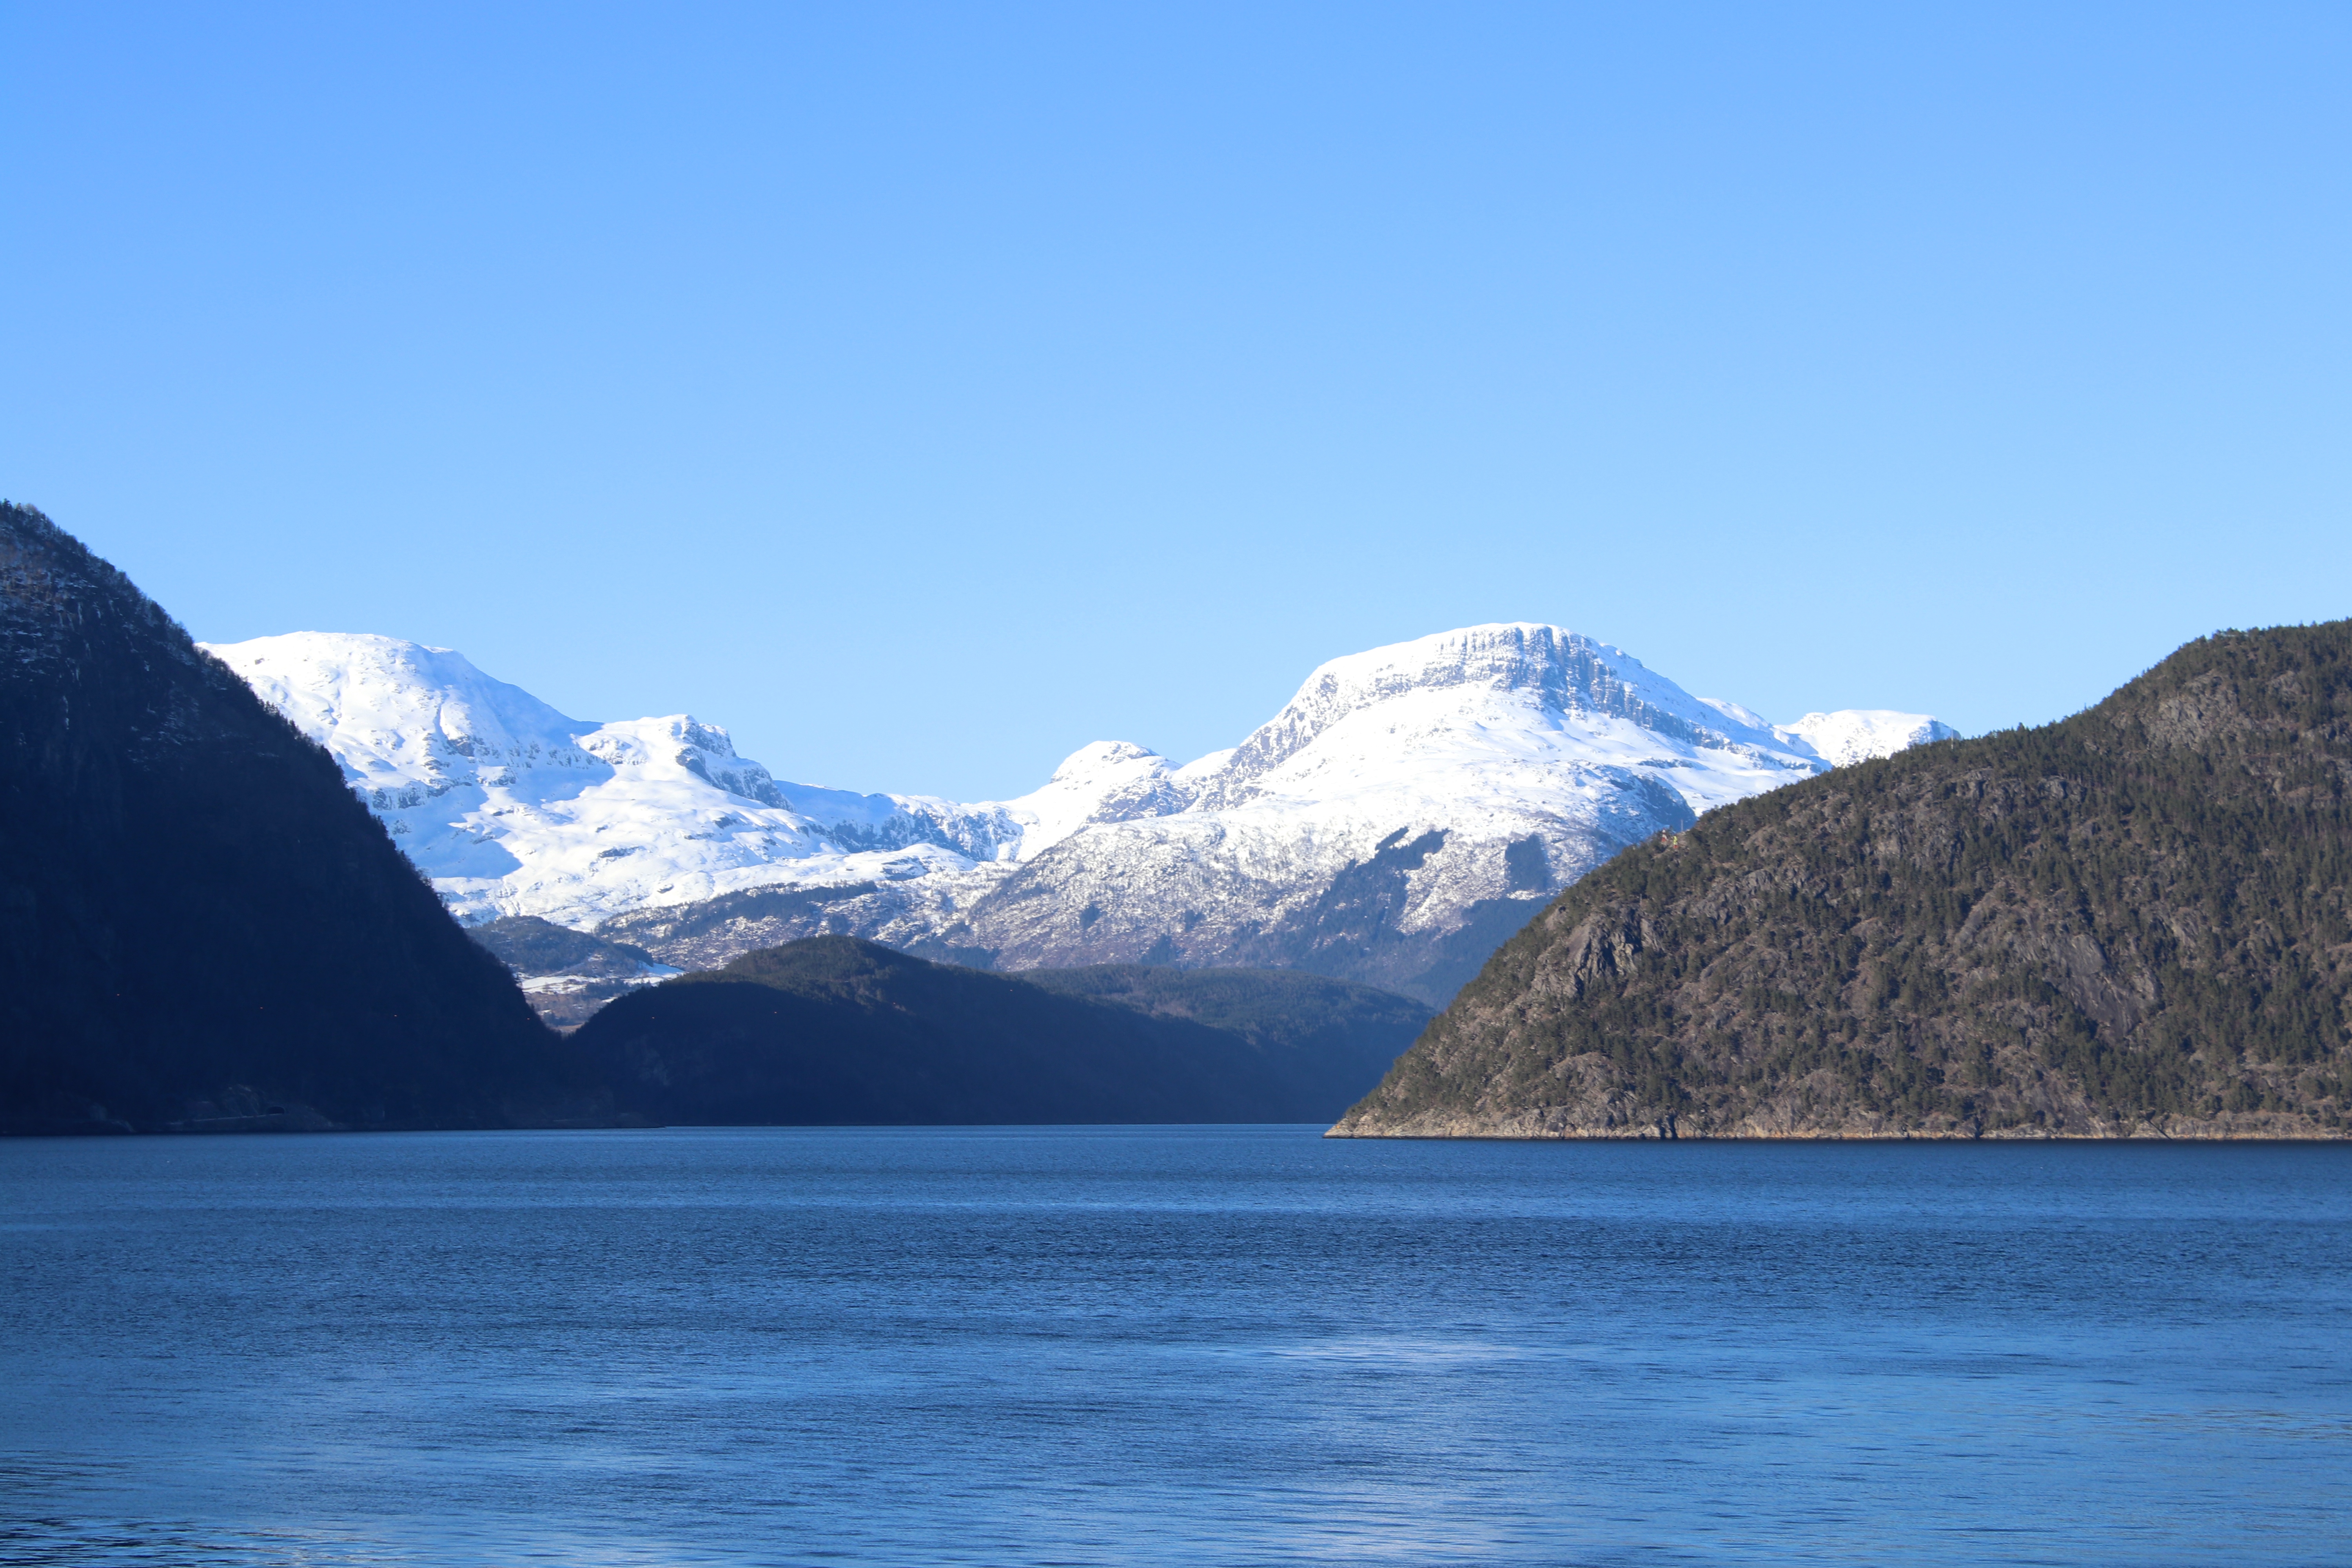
[1531, 1128]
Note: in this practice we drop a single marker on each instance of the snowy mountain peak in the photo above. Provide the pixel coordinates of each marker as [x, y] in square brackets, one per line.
[1098, 758]
[1106, 781]
[410, 721]
[1567, 669]
[1853, 735]
[680, 744]
[1506, 675]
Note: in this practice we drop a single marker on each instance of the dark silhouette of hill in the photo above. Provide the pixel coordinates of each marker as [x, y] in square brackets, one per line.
[2133, 922]
[1358, 1031]
[833, 1030]
[200, 927]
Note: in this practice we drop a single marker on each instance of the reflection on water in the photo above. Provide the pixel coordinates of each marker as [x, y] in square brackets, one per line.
[1167, 1345]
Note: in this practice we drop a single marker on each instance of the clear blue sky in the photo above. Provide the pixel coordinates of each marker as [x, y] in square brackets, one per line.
[922, 392]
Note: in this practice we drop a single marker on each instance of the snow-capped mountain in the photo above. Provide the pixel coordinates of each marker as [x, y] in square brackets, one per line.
[1857, 734]
[1399, 818]
[513, 809]
[1403, 813]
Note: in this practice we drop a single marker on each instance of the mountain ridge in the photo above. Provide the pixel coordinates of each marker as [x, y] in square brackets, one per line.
[1528, 751]
[2132, 922]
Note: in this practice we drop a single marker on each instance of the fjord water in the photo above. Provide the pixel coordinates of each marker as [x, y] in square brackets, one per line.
[1163, 1345]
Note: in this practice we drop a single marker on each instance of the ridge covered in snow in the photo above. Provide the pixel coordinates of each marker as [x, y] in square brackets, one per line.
[513, 809]
[1857, 734]
[1395, 821]
[1406, 805]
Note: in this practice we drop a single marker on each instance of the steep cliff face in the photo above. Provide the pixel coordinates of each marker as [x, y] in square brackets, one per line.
[200, 927]
[2134, 923]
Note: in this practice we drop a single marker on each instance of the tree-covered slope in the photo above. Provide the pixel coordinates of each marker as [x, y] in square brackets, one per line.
[199, 926]
[2133, 922]
[833, 1030]
[1342, 1031]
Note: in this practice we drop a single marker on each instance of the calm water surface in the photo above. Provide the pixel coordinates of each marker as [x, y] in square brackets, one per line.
[1195, 1345]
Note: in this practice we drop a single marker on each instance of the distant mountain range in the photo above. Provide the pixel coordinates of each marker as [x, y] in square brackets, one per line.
[1410, 809]
[2135, 922]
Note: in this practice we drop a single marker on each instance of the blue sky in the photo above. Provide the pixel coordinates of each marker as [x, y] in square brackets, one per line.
[923, 391]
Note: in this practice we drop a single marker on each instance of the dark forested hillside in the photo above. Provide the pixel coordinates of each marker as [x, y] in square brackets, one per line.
[200, 927]
[2133, 922]
[1339, 1031]
[833, 1030]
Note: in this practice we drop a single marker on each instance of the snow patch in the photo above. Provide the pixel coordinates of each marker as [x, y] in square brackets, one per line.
[1854, 735]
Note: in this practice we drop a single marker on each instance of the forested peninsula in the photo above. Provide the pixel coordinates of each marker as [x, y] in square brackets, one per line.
[2130, 923]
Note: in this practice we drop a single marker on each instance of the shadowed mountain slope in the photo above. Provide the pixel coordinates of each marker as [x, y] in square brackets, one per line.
[1352, 1031]
[200, 927]
[833, 1030]
[2133, 922]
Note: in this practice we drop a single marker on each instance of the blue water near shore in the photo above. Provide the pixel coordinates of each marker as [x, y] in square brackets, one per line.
[1177, 1345]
